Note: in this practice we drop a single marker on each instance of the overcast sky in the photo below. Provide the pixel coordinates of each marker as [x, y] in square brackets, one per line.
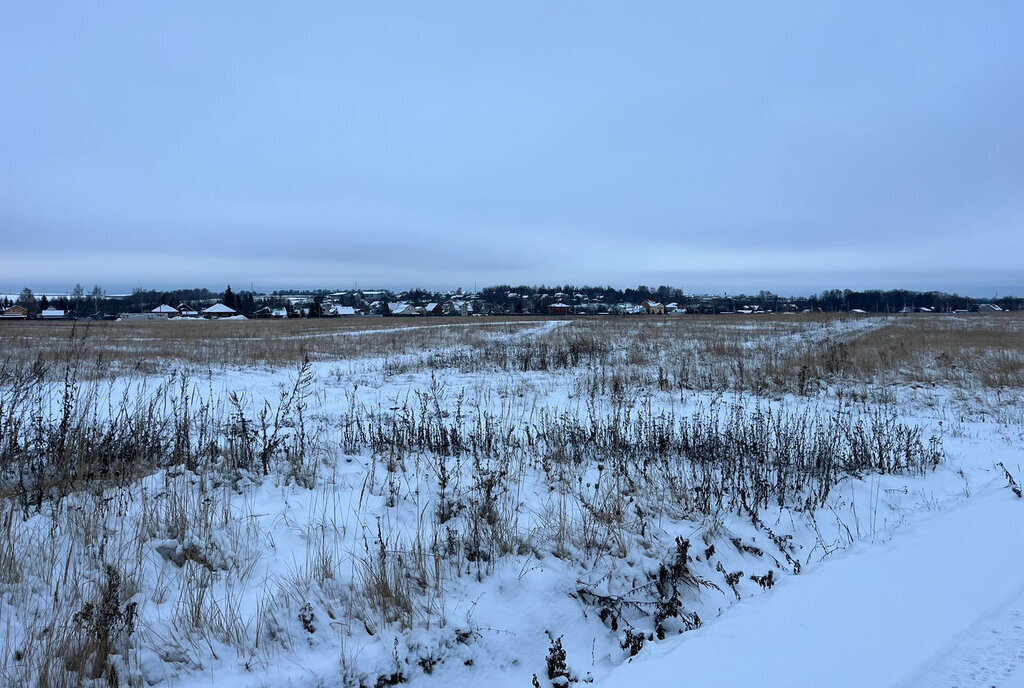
[713, 146]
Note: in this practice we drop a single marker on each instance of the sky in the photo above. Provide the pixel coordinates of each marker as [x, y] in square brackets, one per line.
[715, 147]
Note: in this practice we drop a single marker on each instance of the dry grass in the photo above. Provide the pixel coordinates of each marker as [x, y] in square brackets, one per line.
[983, 350]
[760, 354]
[454, 479]
[148, 347]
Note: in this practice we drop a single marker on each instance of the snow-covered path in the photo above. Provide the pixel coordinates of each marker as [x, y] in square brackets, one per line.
[941, 604]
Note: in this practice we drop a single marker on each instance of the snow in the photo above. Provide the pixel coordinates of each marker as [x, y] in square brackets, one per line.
[890, 613]
[904, 580]
[219, 308]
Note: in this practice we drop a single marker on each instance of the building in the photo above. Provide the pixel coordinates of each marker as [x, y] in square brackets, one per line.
[402, 308]
[558, 308]
[653, 307]
[165, 311]
[462, 308]
[219, 310]
[14, 313]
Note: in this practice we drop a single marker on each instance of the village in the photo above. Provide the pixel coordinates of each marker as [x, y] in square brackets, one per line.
[503, 301]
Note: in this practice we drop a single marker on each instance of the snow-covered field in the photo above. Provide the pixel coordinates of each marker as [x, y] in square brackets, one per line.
[789, 501]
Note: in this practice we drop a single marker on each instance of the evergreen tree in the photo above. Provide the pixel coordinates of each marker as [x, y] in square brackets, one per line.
[316, 308]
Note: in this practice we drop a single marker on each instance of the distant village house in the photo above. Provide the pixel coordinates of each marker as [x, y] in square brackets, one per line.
[219, 310]
[165, 311]
[653, 307]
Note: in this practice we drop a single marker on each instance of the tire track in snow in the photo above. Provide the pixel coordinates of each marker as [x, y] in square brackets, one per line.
[941, 603]
[989, 653]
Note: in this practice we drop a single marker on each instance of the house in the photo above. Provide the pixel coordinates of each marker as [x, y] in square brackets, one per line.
[263, 312]
[401, 308]
[558, 308]
[345, 311]
[462, 308]
[433, 309]
[989, 308]
[52, 313]
[14, 313]
[165, 311]
[653, 307]
[219, 310]
[186, 310]
[279, 313]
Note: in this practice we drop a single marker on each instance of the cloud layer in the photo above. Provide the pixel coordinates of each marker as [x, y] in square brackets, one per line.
[730, 148]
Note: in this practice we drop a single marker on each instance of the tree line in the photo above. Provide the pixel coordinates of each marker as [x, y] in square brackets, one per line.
[508, 299]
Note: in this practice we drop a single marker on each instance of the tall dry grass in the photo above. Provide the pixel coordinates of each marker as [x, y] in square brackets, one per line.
[129, 535]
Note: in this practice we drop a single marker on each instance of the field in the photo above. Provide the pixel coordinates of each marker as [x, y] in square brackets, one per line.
[527, 501]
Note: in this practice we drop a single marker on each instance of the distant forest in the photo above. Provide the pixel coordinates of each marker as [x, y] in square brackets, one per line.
[504, 299]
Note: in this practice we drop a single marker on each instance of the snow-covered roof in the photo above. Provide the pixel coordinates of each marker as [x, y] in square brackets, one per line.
[51, 313]
[164, 308]
[345, 310]
[219, 308]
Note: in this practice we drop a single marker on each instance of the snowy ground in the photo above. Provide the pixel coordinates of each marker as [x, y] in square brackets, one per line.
[939, 603]
[901, 579]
